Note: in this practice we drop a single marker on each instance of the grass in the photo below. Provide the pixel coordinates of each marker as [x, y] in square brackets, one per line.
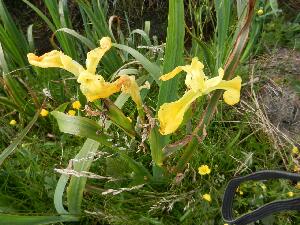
[236, 144]
[29, 176]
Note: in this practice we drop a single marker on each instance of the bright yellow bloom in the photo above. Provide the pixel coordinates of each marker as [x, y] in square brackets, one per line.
[263, 186]
[241, 192]
[170, 115]
[204, 169]
[290, 194]
[295, 150]
[71, 112]
[207, 197]
[13, 122]
[92, 85]
[260, 12]
[76, 105]
[44, 112]
[296, 168]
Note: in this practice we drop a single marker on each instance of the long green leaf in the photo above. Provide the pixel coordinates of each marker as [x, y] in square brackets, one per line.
[34, 220]
[77, 184]
[83, 39]
[10, 149]
[173, 57]
[223, 11]
[81, 126]
[152, 68]
[58, 194]
[174, 50]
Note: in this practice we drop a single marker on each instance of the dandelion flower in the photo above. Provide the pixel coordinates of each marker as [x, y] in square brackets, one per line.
[263, 186]
[207, 197]
[260, 12]
[13, 122]
[76, 105]
[204, 169]
[295, 150]
[71, 112]
[44, 112]
[241, 192]
[296, 168]
[290, 194]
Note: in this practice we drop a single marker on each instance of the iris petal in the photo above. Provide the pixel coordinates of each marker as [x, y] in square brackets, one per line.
[95, 55]
[130, 86]
[95, 87]
[170, 115]
[55, 59]
[232, 90]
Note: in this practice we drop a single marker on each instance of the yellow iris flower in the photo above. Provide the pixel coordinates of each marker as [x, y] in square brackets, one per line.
[92, 85]
[170, 115]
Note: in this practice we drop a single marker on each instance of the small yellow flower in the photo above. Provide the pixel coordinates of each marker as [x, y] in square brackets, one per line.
[204, 169]
[44, 112]
[207, 197]
[290, 194]
[263, 186]
[76, 105]
[260, 12]
[295, 150]
[171, 114]
[13, 122]
[71, 112]
[296, 168]
[297, 185]
[226, 224]
[241, 192]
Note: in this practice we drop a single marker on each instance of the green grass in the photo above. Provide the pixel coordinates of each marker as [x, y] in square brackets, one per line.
[28, 180]
[233, 146]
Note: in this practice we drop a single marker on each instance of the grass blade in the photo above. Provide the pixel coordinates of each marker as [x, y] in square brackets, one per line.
[34, 220]
[10, 149]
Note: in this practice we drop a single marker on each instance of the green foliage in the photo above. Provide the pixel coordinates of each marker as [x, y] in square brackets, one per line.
[149, 182]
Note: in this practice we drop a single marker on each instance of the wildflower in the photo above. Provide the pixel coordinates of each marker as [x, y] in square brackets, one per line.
[207, 197]
[204, 169]
[260, 12]
[295, 150]
[92, 85]
[297, 185]
[170, 115]
[296, 168]
[290, 194]
[263, 186]
[13, 122]
[241, 192]
[44, 112]
[71, 112]
[76, 105]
